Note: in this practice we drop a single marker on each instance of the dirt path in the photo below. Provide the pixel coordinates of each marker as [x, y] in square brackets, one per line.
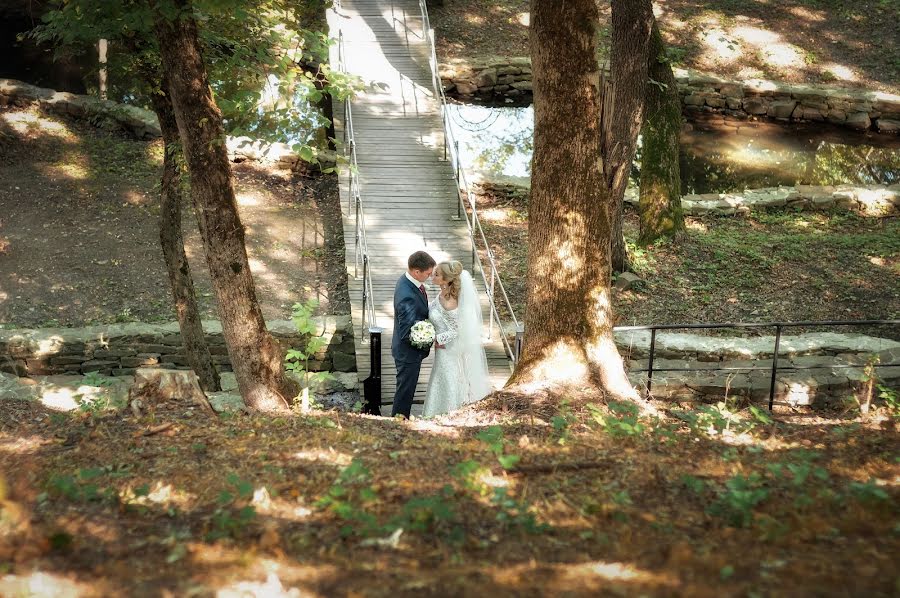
[79, 209]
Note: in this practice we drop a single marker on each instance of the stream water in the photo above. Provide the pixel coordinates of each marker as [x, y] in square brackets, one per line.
[717, 154]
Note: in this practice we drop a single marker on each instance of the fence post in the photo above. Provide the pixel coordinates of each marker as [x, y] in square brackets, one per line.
[372, 384]
[365, 293]
[650, 365]
[774, 365]
[520, 339]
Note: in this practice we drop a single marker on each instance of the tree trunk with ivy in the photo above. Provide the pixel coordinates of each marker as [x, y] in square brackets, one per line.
[255, 356]
[576, 173]
[172, 243]
[660, 195]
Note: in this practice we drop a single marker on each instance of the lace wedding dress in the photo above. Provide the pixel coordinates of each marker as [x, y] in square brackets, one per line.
[459, 375]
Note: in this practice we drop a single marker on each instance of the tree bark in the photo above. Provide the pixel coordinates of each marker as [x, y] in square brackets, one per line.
[631, 26]
[172, 242]
[660, 194]
[255, 356]
[576, 173]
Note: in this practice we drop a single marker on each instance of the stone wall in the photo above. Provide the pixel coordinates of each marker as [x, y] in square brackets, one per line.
[874, 200]
[878, 201]
[508, 80]
[119, 349]
[139, 123]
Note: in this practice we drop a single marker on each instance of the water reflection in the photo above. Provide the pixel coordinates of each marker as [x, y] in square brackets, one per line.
[716, 155]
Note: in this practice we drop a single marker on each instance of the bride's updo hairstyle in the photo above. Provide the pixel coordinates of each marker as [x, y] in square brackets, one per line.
[450, 272]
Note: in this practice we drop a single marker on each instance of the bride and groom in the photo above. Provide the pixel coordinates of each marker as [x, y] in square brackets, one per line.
[459, 374]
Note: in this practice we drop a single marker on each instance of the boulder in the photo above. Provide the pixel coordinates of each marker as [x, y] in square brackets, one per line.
[859, 120]
[626, 281]
[887, 125]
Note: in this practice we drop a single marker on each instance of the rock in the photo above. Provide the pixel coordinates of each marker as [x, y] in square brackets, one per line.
[715, 102]
[486, 78]
[343, 362]
[522, 86]
[733, 103]
[226, 402]
[154, 386]
[694, 100]
[12, 388]
[627, 280]
[859, 120]
[756, 106]
[887, 125]
[781, 109]
[835, 116]
[466, 88]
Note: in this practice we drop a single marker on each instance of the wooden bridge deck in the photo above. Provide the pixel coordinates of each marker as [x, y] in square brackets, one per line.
[407, 186]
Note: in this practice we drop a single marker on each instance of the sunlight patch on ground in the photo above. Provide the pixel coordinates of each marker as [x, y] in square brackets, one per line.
[474, 19]
[840, 71]
[20, 445]
[39, 583]
[136, 198]
[434, 427]
[720, 46]
[33, 124]
[271, 588]
[524, 19]
[321, 455]
[249, 198]
[66, 170]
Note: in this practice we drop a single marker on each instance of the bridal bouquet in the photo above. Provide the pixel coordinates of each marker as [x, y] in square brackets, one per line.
[421, 335]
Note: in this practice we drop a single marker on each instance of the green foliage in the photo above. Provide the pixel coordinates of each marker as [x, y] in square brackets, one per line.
[297, 360]
[561, 423]
[868, 492]
[511, 512]
[79, 487]
[234, 513]
[891, 400]
[622, 419]
[254, 51]
[493, 437]
[738, 498]
[347, 499]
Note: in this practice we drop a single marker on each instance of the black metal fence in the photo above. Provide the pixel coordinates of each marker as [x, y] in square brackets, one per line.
[774, 368]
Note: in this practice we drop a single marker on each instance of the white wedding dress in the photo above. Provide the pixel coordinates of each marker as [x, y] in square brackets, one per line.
[459, 375]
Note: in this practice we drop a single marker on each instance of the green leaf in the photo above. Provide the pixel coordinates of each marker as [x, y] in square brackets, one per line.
[508, 461]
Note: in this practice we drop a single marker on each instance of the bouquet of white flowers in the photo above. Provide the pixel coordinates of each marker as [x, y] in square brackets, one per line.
[421, 335]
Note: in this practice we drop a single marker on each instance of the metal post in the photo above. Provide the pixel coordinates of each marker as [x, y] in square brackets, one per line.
[372, 384]
[650, 365]
[356, 245]
[456, 150]
[774, 365]
[493, 309]
[365, 293]
[520, 339]
[475, 222]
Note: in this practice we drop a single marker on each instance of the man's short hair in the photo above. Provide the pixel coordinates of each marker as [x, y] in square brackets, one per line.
[421, 261]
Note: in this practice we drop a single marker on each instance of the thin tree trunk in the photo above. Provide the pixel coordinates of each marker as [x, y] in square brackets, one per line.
[568, 334]
[631, 26]
[255, 356]
[660, 194]
[172, 242]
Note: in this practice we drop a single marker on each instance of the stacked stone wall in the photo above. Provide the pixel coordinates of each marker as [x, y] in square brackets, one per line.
[508, 81]
[119, 349]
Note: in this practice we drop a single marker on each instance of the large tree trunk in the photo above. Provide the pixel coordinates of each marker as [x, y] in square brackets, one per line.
[172, 242]
[660, 200]
[568, 334]
[255, 356]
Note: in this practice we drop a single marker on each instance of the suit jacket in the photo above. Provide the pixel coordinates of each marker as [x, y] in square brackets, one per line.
[409, 307]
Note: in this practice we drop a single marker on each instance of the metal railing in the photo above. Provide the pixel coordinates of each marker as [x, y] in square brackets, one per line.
[493, 284]
[355, 207]
[773, 369]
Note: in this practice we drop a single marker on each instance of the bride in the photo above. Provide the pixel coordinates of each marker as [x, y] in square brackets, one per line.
[459, 375]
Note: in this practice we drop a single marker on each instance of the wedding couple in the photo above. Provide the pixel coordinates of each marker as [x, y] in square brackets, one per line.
[459, 375]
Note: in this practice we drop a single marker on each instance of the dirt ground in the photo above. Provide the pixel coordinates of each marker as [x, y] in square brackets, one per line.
[561, 501]
[846, 44]
[79, 210]
[773, 266]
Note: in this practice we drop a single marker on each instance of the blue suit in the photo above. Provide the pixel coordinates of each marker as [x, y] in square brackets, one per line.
[409, 307]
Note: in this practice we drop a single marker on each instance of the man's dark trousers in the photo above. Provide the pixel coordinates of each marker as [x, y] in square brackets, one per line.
[410, 306]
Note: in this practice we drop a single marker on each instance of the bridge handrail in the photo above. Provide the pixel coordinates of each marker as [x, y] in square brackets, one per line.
[355, 206]
[467, 199]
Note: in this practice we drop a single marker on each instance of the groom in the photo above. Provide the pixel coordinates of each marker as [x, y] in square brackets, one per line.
[410, 306]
